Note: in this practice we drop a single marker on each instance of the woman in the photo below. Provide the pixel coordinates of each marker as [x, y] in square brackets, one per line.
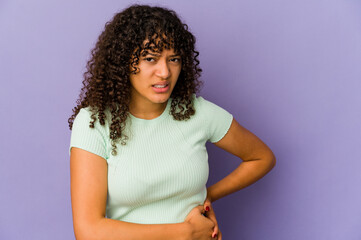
[137, 154]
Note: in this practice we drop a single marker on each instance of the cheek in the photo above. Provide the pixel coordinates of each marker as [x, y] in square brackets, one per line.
[135, 80]
[145, 72]
[178, 71]
[141, 80]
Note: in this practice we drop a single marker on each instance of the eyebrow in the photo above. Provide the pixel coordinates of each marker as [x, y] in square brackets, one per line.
[157, 55]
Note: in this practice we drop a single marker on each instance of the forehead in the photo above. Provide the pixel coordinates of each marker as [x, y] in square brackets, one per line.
[158, 45]
[169, 52]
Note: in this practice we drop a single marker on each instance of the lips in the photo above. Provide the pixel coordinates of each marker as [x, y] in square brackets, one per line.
[161, 83]
[161, 89]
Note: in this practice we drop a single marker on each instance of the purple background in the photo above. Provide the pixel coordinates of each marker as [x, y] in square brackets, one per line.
[289, 71]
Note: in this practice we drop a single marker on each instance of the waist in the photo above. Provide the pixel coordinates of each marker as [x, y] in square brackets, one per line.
[169, 210]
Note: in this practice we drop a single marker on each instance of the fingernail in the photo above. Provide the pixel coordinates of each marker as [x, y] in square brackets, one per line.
[207, 208]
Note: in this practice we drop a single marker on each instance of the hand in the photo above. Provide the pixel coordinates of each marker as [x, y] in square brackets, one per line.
[211, 215]
[201, 227]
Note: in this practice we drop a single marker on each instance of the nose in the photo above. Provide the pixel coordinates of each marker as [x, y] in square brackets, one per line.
[163, 70]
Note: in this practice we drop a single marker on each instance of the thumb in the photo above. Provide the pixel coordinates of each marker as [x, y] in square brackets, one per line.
[201, 209]
[207, 204]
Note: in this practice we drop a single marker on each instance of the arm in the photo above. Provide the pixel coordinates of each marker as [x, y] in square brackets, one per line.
[88, 173]
[257, 158]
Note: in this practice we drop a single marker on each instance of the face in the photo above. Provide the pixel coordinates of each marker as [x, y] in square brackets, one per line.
[154, 71]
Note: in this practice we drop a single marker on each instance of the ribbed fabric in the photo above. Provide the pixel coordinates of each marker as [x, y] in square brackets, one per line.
[160, 175]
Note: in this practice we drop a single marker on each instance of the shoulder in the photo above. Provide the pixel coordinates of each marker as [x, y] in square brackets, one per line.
[199, 102]
[215, 119]
[86, 112]
[94, 140]
[83, 121]
[206, 106]
[85, 116]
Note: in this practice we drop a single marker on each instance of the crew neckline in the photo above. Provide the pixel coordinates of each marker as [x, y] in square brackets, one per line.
[154, 120]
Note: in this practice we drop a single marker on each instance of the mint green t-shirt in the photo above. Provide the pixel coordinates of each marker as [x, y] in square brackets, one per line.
[160, 175]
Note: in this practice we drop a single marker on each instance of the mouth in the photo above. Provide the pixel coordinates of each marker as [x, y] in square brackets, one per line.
[160, 85]
[160, 88]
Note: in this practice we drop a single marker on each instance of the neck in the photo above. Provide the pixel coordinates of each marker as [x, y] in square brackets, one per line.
[146, 109]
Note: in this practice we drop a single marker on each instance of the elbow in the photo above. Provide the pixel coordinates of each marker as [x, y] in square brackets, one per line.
[82, 236]
[86, 231]
[269, 161]
[272, 161]
[85, 235]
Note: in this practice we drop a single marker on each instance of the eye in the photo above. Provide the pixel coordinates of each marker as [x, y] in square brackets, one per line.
[149, 59]
[176, 60]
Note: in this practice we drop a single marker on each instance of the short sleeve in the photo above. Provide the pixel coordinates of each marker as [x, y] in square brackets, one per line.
[217, 120]
[93, 140]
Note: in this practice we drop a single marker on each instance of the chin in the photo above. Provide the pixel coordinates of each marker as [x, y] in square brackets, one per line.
[161, 98]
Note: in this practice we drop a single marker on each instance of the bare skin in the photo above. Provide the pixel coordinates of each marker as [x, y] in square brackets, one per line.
[154, 68]
[89, 171]
[89, 192]
[257, 160]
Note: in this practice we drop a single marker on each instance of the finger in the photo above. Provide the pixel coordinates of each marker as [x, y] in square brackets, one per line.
[219, 235]
[207, 205]
[201, 209]
[215, 231]
[207, 201]
[211, 215]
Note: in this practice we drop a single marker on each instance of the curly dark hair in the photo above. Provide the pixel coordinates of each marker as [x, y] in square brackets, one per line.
[106, 83]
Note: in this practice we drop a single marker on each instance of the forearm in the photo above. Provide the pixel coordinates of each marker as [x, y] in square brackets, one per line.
[244, 175]
[111, 229]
